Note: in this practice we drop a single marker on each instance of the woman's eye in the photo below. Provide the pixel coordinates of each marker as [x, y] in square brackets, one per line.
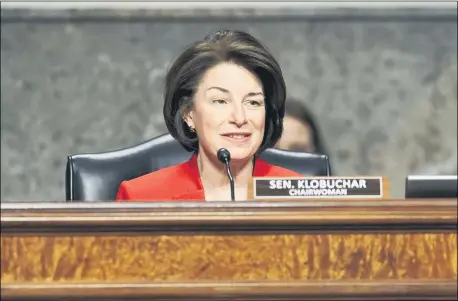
[255, 103]
[220, 101]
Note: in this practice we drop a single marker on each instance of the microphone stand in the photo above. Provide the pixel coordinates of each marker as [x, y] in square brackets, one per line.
[224, 156]
[231, 180]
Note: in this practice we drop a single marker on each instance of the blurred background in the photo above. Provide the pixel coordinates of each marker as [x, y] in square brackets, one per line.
[379, 78]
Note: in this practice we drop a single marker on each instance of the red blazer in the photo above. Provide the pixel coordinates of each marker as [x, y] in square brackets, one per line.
[182, 182]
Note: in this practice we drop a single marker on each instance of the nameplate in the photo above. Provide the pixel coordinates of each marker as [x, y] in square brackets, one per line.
[318, 187]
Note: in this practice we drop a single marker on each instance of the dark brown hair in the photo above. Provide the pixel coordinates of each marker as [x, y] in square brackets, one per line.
[223, 46]
[297, 109]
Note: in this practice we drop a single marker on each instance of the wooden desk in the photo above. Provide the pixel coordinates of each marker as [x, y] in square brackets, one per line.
[327, 250]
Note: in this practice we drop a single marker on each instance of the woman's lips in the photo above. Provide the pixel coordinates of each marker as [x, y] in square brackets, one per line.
[237, 137]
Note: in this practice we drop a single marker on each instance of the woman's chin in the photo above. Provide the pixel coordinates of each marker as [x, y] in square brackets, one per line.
[238, 154]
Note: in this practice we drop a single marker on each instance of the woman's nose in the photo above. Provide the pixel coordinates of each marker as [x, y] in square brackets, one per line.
[238, 115]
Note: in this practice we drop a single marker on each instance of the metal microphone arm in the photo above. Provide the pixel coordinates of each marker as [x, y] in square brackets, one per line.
[224, 156]
[231, 180]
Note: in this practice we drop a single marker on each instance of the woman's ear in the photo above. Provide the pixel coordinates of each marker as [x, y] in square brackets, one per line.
[188, 116]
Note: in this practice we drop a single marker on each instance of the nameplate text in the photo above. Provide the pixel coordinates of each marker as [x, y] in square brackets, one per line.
[318, 187]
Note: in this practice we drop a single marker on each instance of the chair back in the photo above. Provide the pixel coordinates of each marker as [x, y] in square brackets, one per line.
[96, 177]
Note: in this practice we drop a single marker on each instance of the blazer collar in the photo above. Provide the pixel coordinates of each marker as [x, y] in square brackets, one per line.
[261, 169]
[194, 190]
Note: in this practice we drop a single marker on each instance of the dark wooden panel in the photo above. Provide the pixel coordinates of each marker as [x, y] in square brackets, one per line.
[327, 250]
[226, 216]
[265, 291]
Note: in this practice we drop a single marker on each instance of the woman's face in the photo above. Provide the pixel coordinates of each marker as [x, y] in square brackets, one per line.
[229, 111]
[297, 136]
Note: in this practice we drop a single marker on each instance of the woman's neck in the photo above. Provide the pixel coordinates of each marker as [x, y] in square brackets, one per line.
[213, 172]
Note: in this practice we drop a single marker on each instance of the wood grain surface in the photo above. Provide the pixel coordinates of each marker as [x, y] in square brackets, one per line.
[228, 257]
[390, 250]
[265, 291]
[219, 216]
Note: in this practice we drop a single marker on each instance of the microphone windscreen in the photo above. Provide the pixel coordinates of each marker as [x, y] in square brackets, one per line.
[223, 155]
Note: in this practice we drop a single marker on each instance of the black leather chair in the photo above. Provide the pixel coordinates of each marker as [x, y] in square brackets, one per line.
[96, 177]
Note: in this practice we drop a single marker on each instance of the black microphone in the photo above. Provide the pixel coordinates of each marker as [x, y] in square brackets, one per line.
[225, 157]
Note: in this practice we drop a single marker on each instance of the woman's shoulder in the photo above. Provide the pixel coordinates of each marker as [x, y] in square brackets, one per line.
[264, 169]
[278, 171]
[160, 184]
[156, 177]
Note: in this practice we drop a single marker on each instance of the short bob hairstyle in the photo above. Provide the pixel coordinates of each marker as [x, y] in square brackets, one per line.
[188, 69]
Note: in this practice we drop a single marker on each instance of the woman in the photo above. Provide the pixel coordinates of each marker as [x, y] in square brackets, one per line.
[301, 132]
[226, 91]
